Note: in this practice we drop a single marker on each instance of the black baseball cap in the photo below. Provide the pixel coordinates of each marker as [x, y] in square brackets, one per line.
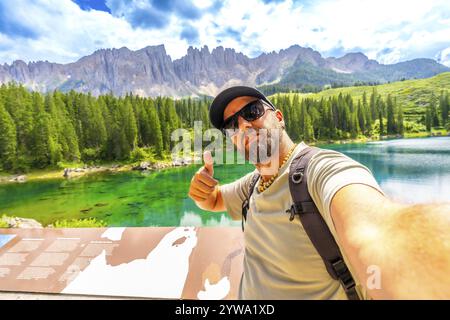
[221, 101]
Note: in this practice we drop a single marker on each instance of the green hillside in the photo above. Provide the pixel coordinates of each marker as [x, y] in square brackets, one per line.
[413, 95]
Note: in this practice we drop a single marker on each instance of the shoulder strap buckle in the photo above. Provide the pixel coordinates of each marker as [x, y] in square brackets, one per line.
[297, 176]
[343, 274]
[296, 208]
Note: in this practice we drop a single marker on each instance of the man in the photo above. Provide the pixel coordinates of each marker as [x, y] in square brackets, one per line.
[394, 251]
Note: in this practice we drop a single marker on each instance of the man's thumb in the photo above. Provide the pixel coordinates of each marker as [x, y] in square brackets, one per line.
[208, 159]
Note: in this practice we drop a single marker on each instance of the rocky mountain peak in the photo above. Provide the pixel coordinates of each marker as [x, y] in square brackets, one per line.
[150, 71]
[354, 56]
[351, 62]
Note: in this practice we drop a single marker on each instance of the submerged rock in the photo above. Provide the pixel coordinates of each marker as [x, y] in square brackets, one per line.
[179, 162]
[100, 204]
[145, 165]
[19, 178]
[135, 204]
[161, 165]
[78, 172]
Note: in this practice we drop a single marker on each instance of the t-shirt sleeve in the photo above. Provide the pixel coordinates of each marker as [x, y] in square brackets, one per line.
[234, 194]
[328, 172]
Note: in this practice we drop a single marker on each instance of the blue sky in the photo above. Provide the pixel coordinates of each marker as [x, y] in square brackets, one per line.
[65, 30]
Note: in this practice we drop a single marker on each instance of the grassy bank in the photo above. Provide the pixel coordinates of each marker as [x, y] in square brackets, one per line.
[58, 173]
[364, 139]
[17, 222]
[433, 133]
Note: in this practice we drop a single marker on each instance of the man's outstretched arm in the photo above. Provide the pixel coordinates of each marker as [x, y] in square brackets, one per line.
[409, 245]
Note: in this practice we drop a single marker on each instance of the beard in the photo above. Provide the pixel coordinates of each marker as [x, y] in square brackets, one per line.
[261, 146]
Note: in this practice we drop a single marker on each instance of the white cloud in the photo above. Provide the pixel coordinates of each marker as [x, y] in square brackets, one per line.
[387, 30]
[68, 33]
[444, 57]
[202, 4]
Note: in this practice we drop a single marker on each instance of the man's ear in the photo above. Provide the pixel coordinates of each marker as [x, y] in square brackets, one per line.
[280, 117]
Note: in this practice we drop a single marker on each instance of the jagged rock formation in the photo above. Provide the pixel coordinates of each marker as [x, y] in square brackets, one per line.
[151, 71]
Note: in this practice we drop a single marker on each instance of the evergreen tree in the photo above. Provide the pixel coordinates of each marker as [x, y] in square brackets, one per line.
[331, 123]
[374, 112]
[128, 122]
[155, 138]
[444, 107]
[346, 117]
[354, 127]
[205, 116]
[361, 118]
[8, 141]
[296, 106]
[401, 127]
[46, 151]
[380, 107]
[434, 112]
[306, 128]
[390, 114]
[367, 114]
[428, 118]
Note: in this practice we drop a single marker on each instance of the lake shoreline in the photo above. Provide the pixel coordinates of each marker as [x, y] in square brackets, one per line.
[408, 170]
[80, 170]
[77, 172]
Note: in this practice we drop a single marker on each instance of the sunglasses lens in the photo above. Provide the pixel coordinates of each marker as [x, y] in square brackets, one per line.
[253, 111]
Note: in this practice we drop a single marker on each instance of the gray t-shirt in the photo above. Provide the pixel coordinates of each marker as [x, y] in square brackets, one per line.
[280, 261]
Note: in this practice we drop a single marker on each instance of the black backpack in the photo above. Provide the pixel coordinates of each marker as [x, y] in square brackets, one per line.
[312, 221]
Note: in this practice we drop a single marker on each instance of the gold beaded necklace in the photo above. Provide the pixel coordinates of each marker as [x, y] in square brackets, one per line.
[264, 185]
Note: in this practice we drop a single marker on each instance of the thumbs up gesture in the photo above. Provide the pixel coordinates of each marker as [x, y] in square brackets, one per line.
[209, 162]
[203, 184]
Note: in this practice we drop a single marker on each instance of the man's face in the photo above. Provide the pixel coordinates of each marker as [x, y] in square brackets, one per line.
[258, 140]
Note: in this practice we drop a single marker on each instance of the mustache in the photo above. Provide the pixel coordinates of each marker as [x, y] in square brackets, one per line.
[257, 134]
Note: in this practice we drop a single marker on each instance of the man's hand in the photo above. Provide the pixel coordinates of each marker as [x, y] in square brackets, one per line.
[204, 188]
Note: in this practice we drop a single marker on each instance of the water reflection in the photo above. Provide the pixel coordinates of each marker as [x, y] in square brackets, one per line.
[191, 218]
[410, 170]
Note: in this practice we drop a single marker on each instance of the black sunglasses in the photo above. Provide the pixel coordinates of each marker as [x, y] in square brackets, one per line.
[250, 112]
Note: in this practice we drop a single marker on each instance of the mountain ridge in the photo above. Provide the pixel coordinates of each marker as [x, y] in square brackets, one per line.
[150, 71]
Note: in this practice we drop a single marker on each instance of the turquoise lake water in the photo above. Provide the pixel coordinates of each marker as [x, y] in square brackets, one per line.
[408, 170]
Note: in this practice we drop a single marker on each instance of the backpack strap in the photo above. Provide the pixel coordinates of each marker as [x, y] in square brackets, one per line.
[246, 203]
[314, 225]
